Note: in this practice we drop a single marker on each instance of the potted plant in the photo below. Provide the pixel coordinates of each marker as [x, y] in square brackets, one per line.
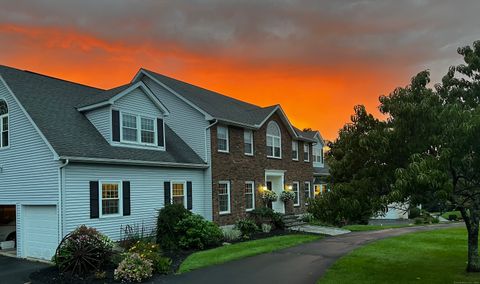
[268, 197]
[287, 197]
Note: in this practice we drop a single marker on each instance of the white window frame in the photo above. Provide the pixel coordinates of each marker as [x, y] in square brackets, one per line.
[309, 190]
[298, 193]
[251, 142]
[274, 138]
[317, 153]
[253, 196]
[184, 191]
[8, 127]
[227, 138]
[294, 145]
[120, 198]
[306, 147]
[228, 195]
[138, 119]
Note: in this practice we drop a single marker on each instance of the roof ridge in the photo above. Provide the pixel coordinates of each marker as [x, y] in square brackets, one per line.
[58, 79]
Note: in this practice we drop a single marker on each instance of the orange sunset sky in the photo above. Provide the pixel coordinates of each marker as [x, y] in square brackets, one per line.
[316, 58]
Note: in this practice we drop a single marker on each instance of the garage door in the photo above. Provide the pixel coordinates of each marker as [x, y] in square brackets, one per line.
[40, 231]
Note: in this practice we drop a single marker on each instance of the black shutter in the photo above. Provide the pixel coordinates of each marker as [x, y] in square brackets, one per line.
[160, 132]
[166, 188]
[115, 125]
[189, 195]
[94, 213]
[126, 198]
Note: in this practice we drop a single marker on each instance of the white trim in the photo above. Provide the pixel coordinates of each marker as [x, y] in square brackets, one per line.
[308, 148]
[309, 189]
[138, 122]
[127, 91]
[251, 142]
[55, 155]
[146, 73]
[184, 191]
[120, 198]
[296, 143]
[228, 195]
[227, 138]
[253, 196]
[134, 162]
[8, 126]
[274, 137]
[279, 107]
[298, 193]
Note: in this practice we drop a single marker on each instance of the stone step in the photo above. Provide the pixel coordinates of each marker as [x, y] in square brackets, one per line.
[295, 224]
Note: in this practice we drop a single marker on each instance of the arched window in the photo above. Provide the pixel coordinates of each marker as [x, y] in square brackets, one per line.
[274, 140]
[3, 124]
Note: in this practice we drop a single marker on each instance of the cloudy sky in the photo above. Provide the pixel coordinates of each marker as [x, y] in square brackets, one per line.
[316, 58]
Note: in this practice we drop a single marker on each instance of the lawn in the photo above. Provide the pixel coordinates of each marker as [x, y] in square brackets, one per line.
[359, 228]
[456, 213]
[425, 257]
[242, 250]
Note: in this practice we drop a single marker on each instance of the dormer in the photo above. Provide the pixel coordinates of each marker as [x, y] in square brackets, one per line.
[128, 116]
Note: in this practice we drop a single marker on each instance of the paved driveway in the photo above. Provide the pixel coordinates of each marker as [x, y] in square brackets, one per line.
[14, 270]
[301, 264]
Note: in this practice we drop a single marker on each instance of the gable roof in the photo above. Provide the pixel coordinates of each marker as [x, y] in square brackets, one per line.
[218, 106]
[52, 102]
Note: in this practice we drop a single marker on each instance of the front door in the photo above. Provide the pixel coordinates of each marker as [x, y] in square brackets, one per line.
[274, 182]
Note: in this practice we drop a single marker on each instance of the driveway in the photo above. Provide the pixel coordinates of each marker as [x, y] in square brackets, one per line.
[301, 264]
[15, 270]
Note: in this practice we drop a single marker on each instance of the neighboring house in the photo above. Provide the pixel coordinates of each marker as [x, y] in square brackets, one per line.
[71, 154]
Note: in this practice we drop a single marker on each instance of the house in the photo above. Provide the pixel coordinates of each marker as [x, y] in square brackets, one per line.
[72, 154]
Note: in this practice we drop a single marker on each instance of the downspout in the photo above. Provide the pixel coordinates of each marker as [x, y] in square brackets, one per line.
[208, 180]
[206, 145]
[61, 174]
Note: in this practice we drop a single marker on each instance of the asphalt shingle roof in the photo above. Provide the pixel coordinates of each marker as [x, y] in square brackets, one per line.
[52, 102]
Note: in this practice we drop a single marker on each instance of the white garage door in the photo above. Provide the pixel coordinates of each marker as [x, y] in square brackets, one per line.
[40, 231]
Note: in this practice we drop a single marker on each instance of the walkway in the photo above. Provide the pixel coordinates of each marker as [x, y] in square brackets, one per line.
[301, 264]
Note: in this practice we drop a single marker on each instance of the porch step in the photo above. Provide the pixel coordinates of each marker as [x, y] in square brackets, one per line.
[292, 221]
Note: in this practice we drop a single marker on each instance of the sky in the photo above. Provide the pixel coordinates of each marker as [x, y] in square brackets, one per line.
[318, 59]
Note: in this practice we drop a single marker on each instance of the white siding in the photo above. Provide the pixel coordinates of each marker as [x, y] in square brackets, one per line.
[146, 190]
[28, 173]
[102, 119]
[138, 102]
[187, 122]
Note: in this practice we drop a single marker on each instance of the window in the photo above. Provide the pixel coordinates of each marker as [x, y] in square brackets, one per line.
[317, 152]
[110, 198]
[132, 132]
[306, 152]
[224, 197]
[4, 139]
[274, 144]
[178, 192]
[248, 142]
[222, 138]
[295, 150]
[307, 190]
[249, 195]
[295, 188]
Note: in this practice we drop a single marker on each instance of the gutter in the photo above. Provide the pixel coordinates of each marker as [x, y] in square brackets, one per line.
[134, 162]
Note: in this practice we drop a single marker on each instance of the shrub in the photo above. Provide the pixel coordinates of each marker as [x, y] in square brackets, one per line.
[414, 213]
[131, 234]
[308, 217]
[452, 217]
[418, 221]
[267, 215]
[435, 220]
[197, 233]
[247, 227]
[231, 234]
[83, 251]
[287, 196]
[266, 228]
[152, 252]
[133, 268]
[168, 218]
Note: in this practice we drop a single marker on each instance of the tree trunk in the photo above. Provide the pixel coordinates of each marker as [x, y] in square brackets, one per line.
[472, 223]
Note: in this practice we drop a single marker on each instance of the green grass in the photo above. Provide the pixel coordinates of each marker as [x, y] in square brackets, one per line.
[359, 228]
[425, 257]
[242, 250]
[457, 213]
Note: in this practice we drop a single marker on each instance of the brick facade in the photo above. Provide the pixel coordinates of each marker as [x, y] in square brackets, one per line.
[237, 168]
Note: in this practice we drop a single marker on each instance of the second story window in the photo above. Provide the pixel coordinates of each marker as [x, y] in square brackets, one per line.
[317, 152]
[295, 150]
[274, 140]
[222, 139]
[3, 124]
[138, 129]
[306, 152]
[248, 142]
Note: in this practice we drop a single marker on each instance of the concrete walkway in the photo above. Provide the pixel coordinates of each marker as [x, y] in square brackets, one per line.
[321, 230]
[301, 264]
